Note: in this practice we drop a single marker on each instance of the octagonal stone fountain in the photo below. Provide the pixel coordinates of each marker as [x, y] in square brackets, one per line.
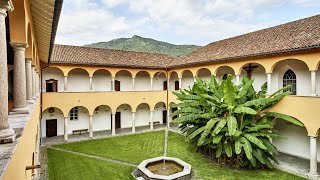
[163, 168]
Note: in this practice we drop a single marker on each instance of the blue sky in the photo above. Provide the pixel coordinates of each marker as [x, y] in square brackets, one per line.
[176, 21]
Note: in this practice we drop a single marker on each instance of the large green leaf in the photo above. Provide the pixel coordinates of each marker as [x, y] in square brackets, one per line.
[216, 139]
[232, 125]
[285, 117]
[219, 126]
[207, 131]
[245, 88]
[245, 110]
[237, 147]
[255, 141]
[228, 149]
[259, 127]
[257, 154]
[271, 149]
[247, 147]
[219, 151]
[196, 132]
[229, 91]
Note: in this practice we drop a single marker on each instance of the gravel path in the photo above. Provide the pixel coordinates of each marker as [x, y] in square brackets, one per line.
[96, 157]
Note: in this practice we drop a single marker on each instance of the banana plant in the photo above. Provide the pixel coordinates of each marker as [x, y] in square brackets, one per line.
[232, 121]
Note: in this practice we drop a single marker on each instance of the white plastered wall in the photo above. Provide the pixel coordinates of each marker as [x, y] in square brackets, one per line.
[53, 73]
[126, 116]
[204, 74]
[102, 118]
[224, 70]
[81, 123]
[101, 81]
[158, 80]
[125, 80]
[142, 117]
[142, 81]
[187, 80]
[297, 142]
[157, 113]
[173, 78]
[57, 114]
[78, 81]
[302, 75]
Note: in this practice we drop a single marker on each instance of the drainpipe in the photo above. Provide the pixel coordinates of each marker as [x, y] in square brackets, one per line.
[41, 70]
[167, 125]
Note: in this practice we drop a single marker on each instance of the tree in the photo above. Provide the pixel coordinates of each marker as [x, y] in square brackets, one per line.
[231, 123]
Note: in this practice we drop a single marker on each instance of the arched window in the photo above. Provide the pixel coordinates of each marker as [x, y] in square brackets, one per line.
[289, 78]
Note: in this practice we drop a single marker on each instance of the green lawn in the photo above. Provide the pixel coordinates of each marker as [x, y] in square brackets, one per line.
[134, 149]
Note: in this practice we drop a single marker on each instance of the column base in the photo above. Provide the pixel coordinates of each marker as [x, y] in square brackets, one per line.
[313, 95]
[30, 101]
[313, 176]
[23, 110]
[7, 136]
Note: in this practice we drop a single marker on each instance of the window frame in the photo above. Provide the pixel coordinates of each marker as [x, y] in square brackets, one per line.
[74, 114]
[289, 77]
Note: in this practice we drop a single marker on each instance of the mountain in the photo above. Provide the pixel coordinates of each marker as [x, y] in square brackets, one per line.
[141, 44]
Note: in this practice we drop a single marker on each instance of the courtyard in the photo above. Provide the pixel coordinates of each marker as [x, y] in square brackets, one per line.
[116, 157]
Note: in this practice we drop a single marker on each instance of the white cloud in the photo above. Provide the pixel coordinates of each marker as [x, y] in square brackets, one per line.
[187, 21]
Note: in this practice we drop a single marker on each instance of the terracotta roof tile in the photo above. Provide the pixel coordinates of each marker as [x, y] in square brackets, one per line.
[293, 36]
[65, 54]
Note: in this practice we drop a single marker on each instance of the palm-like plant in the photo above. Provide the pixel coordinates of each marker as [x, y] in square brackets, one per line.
[231, 122]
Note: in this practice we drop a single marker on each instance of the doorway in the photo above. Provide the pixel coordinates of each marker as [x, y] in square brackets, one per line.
[117, 120]
[51, 85]
[165, 85]
[176, 85]
[51, 127]
[117, 85]
[164, 116]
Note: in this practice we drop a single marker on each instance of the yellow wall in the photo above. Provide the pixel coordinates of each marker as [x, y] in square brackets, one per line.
[22, 156]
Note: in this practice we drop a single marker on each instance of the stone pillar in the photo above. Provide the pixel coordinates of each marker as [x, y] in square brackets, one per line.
[269, 84]
[37, 83]
[90, 126]
[66, 128]
[133, 122]
[168, 118]
[33, 82]
[313, 156]
[113, 84]
[133, 84]
[237, 79]
[113, 124]
[90, 81]
[29, 79]
[313, 83]
[180, 83]
[151, 84]
[7, 134]
[19, 79]
[65, 83]
[151, 120]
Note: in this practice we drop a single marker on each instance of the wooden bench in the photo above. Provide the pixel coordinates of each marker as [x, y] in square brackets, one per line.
[155, 122]
[79, 131]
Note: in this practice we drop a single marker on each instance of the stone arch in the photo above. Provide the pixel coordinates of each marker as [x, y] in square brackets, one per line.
[142, 81]
[125, 111]
[187, 79]
[53, 73]
[142, 117]
[276, 63]
[124, 78]
[224, 70]
[78, 80]
[173, 81]
[49, 114]
[204, 73]
[101, 80]
[78, 118]
[301, 70]
[159, 79]
[102, 118]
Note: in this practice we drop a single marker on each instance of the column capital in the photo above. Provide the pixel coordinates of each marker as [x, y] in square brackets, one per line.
[5, 5]
[19, 46]
[28, 60]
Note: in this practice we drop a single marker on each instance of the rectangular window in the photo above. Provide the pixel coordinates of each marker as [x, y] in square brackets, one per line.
[73, 114]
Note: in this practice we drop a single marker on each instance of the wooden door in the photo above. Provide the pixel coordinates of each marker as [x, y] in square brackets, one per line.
[165, 85]
[118, 120]
[117, 86]
[176, 85]
[51, 127]
[164, 116]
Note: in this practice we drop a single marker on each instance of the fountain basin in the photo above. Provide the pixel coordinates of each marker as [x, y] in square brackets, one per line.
[174, 169]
